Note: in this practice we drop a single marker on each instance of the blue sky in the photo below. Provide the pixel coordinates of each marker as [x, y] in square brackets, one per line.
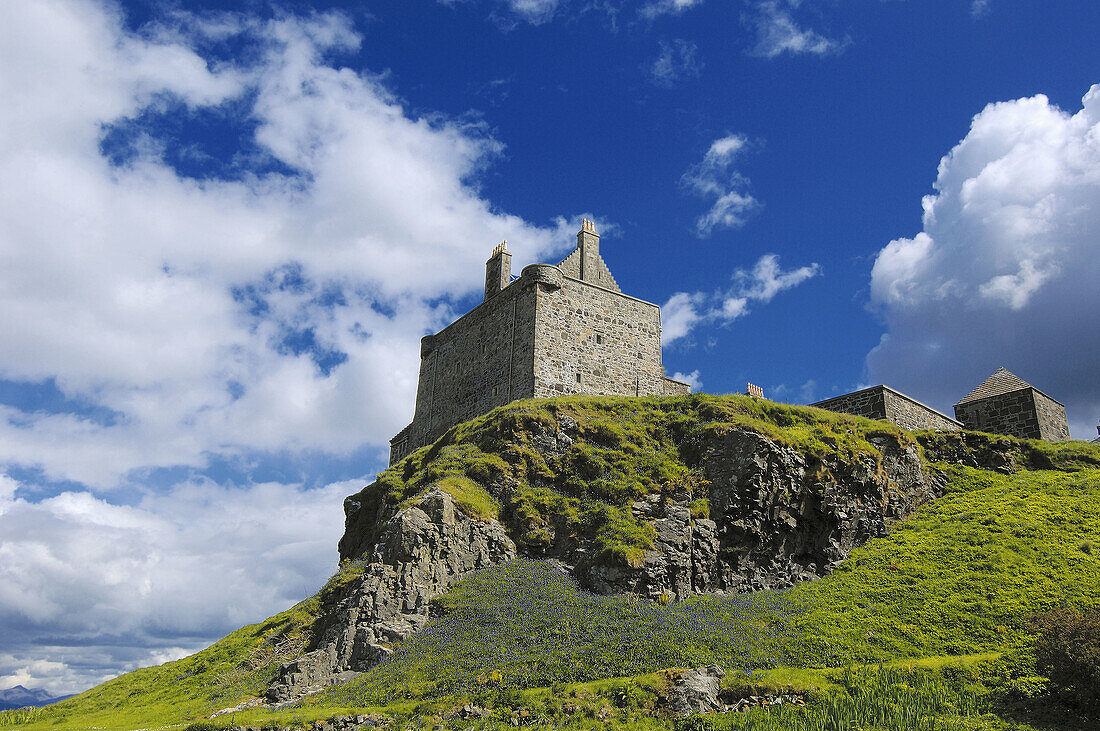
[225, 226]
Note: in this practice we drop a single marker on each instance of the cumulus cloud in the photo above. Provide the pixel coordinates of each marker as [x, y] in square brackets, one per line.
[275, 304]
[715, 176]
[134, 585]
[173, 308]
[1004, 271]
[676, 61]
[777, 32]
[761, 284]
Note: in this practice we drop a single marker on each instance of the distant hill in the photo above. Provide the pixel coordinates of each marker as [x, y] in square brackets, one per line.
[20, 697]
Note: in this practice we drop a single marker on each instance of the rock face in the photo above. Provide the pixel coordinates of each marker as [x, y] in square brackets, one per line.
[775, 519]
[422, 550]
[777, 516]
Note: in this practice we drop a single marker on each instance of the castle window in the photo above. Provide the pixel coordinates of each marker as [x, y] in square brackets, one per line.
[578, 378]
[599, 339]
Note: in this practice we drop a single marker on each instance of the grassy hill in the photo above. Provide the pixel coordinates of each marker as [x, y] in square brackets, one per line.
[929, 622]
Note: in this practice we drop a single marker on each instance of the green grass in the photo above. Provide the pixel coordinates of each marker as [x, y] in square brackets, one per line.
[470, 497]
[963, 574]
[958, 578]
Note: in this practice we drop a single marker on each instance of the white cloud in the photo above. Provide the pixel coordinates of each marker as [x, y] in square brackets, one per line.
[778, 33]
[767, 280]
[692, 379]
[978, 8]
[1004, 271]
[655, 8]
[676, 61]
[169, 301]
[534, 11]
[679, 315]
[272, 306]
[684, 311]
[716, 176]
[137, 585]
[510, 13]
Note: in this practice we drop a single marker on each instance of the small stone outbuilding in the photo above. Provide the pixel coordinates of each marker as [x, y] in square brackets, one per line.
[883, 402]
[1006, 404]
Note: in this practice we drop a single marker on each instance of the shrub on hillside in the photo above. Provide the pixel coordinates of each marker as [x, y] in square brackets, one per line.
[1068, 652]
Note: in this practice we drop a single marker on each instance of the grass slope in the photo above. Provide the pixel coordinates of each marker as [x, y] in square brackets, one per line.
[963, 574]
[959, 578]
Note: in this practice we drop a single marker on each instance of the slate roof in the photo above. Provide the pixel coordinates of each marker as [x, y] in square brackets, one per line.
[1001, 382]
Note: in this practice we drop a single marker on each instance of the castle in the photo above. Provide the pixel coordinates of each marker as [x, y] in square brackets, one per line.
[568, 329]
[556, 330]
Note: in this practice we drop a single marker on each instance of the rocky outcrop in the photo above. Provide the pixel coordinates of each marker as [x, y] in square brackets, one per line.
[423, 549]
[777, 517]
[765, 516]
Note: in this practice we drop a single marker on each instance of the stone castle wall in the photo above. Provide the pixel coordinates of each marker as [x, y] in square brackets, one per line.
[910, 414]
[673, 387]
[1008, 413]
[481, 361]
[1053, 425]
[883, 402]
[1026, 413]
[589, 339]
[869, 403]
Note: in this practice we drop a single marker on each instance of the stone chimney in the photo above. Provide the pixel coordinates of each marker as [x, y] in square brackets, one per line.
[588, 242]
[498, 270]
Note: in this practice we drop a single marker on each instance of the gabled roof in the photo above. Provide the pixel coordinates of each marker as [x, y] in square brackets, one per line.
[999, 383]
[571, 267]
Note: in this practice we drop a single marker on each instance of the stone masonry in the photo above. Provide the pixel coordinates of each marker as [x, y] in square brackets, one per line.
[1003, 404]
[1006, 404]
[556, 330]
[883, 402]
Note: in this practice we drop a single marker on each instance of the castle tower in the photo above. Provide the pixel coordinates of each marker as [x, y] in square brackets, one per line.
[498, 270]
[556, 330]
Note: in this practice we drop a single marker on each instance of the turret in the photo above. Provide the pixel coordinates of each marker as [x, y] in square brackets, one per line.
[498, 270]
